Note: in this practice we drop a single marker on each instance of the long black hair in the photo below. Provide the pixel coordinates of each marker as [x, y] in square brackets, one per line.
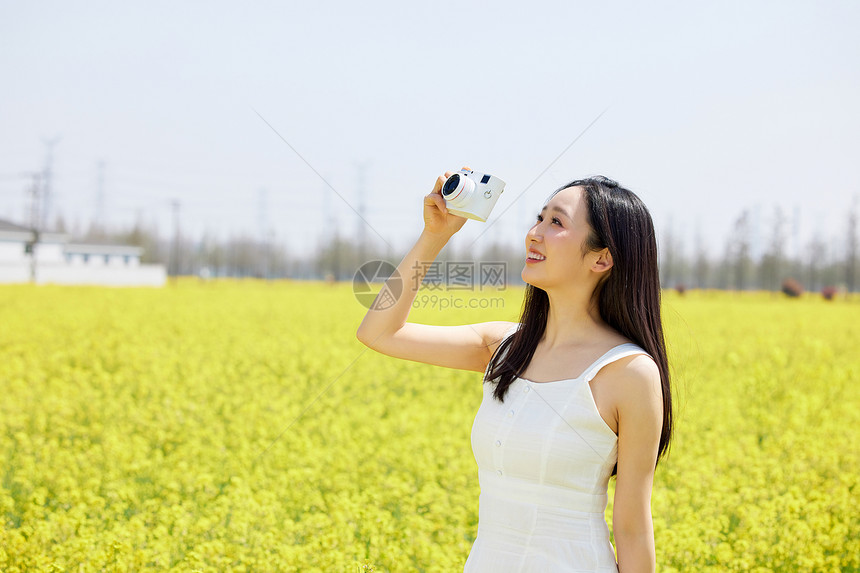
[628, 299]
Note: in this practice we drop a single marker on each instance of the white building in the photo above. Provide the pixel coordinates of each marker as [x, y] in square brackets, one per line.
[53, 259]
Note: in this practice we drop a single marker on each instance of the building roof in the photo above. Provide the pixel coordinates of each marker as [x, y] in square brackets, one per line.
[14, 233]
[17, 233]
[10, 227]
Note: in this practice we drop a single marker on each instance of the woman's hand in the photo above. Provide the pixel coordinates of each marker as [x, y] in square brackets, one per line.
[437, 219]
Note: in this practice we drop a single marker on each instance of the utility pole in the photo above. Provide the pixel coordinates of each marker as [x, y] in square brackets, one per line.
[700, 259]
[48, 176]
[740, 243]
[100, 198]
[795, 234]
[362, 225]
[35, 192]
[262, 224]
[667, 264]
[174, 254]
[851, 251]
[331, 262]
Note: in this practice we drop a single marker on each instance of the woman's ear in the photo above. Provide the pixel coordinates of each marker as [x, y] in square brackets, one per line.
[603, 262]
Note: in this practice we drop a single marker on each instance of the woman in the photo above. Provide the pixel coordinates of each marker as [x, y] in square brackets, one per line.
[547, 443]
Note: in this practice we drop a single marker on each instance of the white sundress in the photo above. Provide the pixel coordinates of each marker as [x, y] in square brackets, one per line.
[544, 458]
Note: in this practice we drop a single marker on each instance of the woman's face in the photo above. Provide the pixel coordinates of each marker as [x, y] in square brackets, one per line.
[554, 245]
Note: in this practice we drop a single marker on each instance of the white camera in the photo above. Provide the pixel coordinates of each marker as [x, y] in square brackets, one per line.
[472, 194]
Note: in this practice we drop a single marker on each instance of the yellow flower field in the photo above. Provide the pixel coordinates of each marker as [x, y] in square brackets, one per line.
[240, 426]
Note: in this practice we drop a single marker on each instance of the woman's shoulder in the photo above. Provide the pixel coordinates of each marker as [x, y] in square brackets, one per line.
[633, 375]
[627, 363]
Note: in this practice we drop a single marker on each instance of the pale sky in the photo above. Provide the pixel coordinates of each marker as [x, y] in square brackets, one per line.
[709, 109]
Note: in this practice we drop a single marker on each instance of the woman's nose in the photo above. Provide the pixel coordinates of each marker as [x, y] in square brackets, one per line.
[535, 233]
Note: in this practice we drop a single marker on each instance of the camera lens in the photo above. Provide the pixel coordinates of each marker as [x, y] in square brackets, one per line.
[451, 184]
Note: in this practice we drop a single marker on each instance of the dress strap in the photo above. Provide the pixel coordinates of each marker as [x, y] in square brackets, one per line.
[617, 353]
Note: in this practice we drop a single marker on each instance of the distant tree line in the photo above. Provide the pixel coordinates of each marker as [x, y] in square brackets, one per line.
[819, 264]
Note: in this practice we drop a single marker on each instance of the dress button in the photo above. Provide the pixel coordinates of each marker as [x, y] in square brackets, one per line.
[526, 390]
[498, 443]
[511, 414]
[499, 472]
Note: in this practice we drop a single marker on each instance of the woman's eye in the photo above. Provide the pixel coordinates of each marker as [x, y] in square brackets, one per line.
[555, 220]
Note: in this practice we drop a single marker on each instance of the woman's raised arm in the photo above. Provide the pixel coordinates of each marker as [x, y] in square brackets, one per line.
[467, 347]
